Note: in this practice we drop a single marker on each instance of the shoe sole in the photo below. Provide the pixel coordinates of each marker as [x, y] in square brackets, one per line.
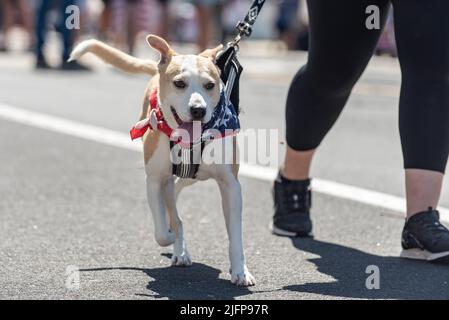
[284, 233]
[418, 254]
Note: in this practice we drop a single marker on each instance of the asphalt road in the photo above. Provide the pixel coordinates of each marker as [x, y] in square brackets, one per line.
[66, 201]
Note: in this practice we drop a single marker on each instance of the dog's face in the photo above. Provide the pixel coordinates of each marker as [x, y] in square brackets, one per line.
[189, 88]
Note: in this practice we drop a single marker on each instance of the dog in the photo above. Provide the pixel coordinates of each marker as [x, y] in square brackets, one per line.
[188, 88]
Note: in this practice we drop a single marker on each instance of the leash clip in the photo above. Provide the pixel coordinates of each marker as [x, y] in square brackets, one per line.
[244, 28]
[235, 43]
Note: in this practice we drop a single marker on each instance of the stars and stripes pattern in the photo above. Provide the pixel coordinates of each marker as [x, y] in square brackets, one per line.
[224, 120]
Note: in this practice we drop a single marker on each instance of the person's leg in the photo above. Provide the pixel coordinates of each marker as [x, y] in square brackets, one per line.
[138, 16]
[9, 14]
[41, 31]
[287, 23]
[119, 16]
[340, 48]
[27, 19]
[105, 20]
[131, 26]
[205, 25]
[422, 35]
[7, 7]
[67, 34]
[68, 37]
[297, 164]
[423, 190]
[2, 26]
[164, 26]
[423, 42]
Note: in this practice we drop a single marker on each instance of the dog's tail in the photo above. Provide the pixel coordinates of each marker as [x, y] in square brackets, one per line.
[114, 57]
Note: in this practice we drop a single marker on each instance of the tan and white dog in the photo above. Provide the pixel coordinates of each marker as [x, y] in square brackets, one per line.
[188, 89]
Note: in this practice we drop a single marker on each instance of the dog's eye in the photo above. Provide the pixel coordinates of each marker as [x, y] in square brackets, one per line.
[180, 84]
[209, 86]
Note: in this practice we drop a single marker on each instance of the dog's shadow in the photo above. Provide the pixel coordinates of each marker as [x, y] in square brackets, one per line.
[399, 278]
[197, 282]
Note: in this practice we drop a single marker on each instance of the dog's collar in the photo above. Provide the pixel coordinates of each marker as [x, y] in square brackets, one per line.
[224, 120]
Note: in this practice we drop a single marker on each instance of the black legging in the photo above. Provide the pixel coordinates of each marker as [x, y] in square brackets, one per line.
[340, 48]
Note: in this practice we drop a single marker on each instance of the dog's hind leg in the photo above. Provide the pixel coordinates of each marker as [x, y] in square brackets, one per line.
[181, 256]
[164, 237]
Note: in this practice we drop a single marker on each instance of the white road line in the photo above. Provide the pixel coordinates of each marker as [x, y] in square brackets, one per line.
[121, 140]
[339, 190]
[69, 127]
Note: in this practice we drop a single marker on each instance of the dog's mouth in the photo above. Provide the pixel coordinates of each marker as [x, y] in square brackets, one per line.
[176, 116]
[186, 127]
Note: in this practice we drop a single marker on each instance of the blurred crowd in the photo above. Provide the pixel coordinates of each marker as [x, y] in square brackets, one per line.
[119, 22]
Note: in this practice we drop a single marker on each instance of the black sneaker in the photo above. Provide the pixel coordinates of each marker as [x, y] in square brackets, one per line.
[292, 203]
[425, 238]
[41, 64]
[73, 66]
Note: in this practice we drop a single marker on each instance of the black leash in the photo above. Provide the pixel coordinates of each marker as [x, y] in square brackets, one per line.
[231, 71]
[245, 27]
[227, 61]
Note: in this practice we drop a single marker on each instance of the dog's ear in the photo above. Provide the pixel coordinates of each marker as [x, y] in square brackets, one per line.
[162, 46]
[211, 53]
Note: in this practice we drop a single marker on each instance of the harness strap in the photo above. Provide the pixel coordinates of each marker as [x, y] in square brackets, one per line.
[231, 71]
[187, 161]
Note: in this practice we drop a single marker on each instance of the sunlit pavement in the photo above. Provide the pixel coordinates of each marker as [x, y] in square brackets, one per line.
[67, 202]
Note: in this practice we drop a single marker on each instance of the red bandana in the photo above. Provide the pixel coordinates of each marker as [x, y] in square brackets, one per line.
[141, 127]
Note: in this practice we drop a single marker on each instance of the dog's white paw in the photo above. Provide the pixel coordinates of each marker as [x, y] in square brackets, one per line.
[244, 279]
[181, 260]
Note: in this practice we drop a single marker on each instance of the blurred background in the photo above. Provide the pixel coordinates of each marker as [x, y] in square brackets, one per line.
[25, 25]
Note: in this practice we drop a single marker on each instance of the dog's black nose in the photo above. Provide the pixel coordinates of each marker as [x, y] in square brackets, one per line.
[197, 113]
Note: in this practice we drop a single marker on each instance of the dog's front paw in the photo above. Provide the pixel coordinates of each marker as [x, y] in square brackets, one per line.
[244, 279]
[181, 260]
